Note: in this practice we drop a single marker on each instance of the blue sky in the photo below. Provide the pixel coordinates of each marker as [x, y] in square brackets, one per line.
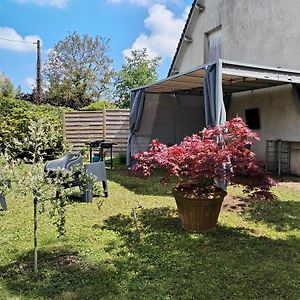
[129, 24]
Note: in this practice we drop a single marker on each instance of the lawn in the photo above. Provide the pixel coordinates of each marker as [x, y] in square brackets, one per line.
[253, 254]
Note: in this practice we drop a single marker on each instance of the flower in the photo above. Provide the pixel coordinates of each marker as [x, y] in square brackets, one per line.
[220, 154]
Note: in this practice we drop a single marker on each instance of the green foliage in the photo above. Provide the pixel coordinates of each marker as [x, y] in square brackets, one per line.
[16, 118]
[41, 187]
[7, 87]
[100, 105]
[138, 70]
[121, 159]
[78, 70]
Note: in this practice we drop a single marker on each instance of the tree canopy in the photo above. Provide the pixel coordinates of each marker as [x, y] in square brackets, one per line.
[6, 86]
[78, 70]
[139, 69]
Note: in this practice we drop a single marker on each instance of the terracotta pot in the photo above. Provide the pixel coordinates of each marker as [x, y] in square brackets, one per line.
[199, 214]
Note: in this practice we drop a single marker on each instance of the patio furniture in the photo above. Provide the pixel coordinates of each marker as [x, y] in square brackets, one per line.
[68, 161]
[101, 145]
[3, 202]
[72, 159]
[98, 170]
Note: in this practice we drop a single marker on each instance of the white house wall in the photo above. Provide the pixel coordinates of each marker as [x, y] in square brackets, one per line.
[279, 119]
[264, 32]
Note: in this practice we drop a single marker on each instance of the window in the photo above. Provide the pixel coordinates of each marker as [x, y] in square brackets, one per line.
[252, 118]
[213, 50]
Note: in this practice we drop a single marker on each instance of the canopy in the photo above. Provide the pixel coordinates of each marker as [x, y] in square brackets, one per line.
[213, 81]
[236, 77]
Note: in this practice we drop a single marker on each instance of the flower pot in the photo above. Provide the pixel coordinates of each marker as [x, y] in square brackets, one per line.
[199, 214]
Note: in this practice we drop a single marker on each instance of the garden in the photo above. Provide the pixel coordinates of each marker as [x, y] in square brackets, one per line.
[107, 253]
[131, 245]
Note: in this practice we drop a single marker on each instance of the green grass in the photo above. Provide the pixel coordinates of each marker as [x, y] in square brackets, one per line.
[251, 255]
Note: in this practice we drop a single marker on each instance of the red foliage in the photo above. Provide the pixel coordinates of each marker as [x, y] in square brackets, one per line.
[221, 153]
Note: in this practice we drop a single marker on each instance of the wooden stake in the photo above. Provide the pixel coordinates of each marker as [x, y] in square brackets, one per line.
[38, 75]
[35, 246]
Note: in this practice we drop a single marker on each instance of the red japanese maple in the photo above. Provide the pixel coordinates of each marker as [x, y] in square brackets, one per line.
[220, 154]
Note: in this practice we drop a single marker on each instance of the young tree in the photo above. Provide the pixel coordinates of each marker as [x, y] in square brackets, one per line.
[138, 70]
[78, 70]
[6, 86]
[31, 178]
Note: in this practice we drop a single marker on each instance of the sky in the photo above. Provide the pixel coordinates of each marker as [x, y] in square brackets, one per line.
[129, 24]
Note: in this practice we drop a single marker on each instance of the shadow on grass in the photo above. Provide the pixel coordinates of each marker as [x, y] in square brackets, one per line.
[281, 215]
[167, 263]
[62, 275]
[229, 263]
[141, 185]
[290, 178]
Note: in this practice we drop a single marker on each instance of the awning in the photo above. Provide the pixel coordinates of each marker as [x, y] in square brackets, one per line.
[236, 77]
[213, 80]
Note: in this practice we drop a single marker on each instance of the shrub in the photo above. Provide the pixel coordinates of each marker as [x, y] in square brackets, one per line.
[16, 118]
[121, 158]
[100, 105]
[219, 154]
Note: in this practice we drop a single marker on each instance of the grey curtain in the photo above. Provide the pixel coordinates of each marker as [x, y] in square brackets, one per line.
[227, 101]
[136, 111]
[215, 113]
[296, 95]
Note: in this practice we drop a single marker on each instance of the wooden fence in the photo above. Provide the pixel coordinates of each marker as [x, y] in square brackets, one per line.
[81, 127]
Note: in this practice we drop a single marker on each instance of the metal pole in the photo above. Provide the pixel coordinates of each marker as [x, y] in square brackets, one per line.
[279, 157]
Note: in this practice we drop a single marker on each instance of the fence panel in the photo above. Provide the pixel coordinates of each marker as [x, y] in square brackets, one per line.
[117, 128]
[82, 127]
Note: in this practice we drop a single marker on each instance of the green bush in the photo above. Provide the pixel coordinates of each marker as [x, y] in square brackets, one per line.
[99, 105]
[121, 159]
[16, 117]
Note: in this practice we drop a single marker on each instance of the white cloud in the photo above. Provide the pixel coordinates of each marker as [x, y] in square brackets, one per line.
[23, 43]
[146, 3]
[55, 3]
[31, 82]
[186, 12]
[164, 33]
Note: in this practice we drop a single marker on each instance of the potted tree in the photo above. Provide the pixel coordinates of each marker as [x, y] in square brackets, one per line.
[204, 164]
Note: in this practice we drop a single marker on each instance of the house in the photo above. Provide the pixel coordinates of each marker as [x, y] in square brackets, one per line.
[240, 38]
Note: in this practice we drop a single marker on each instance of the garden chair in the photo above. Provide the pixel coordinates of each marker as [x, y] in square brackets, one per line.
[99, 171]
[72, 159]
[3, 202]
[68, 161]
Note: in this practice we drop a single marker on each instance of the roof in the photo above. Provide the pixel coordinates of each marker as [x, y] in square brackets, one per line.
[182, 36]
[236, 77]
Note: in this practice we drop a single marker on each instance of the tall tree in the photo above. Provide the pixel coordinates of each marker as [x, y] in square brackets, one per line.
[78, 70]
[139, 69]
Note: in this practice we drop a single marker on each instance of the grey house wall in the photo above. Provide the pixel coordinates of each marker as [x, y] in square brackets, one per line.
[264, 32]
[279, 119]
